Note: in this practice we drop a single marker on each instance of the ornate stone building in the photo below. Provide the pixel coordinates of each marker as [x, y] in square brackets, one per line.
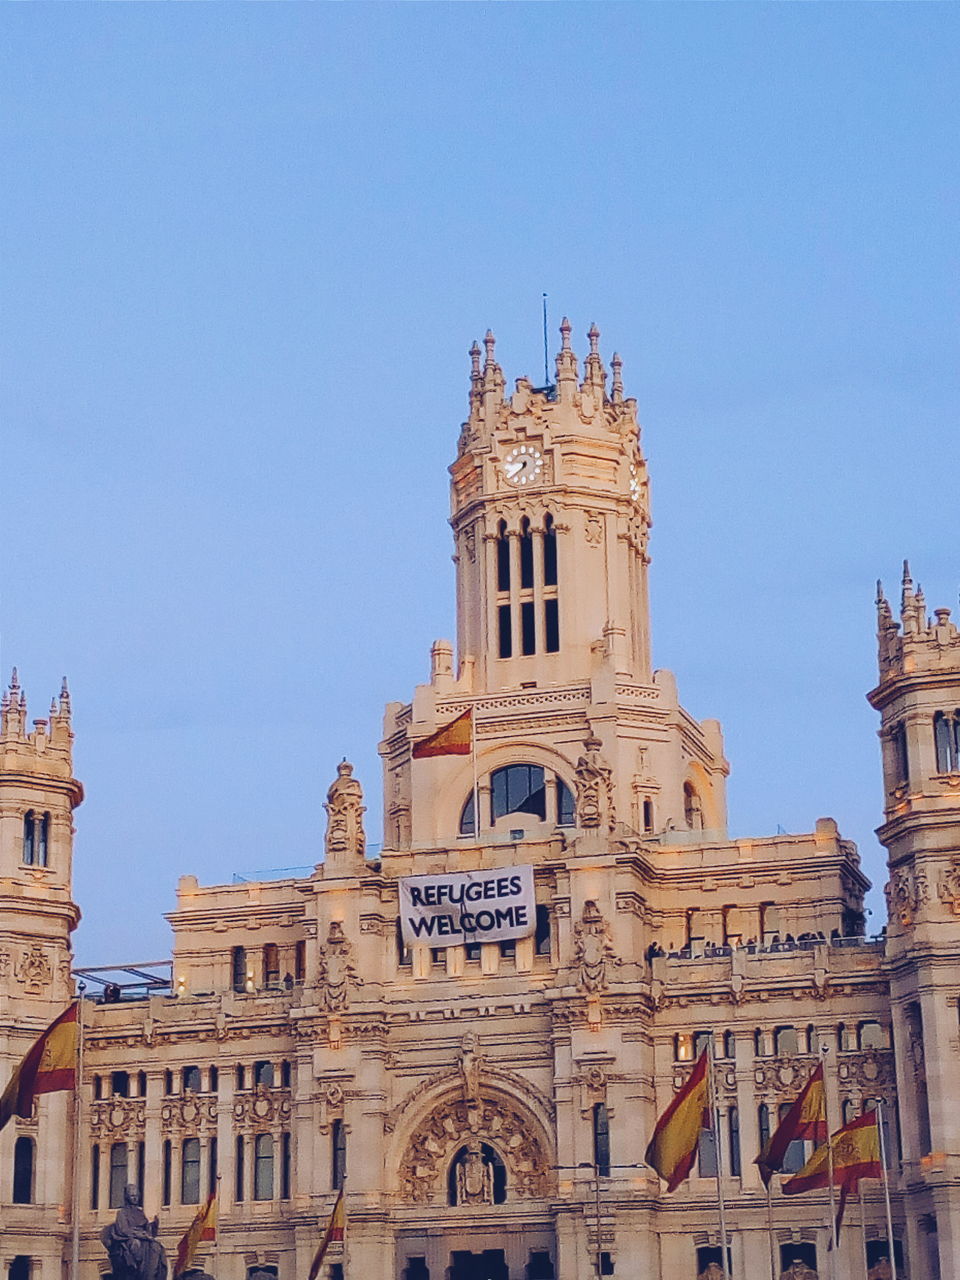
[488, 1106]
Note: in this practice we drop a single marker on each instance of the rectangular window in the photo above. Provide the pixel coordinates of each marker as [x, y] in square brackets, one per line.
[285, 1074]
[794, 1159]
[300, 962]
[191, 1080]
[706, 1154]
[508, 948]
[120, 1084]
[239, 967]
[263, 1167]
[528, 627]
[95, 1177]
[285, 1166]
[214, 1079]
[647, 816]
[505, 640]
[271, 965]
[141, 1167]
[549, 554]
[541, 939]
[503, 563]
[241, 1076]
[190, 1171]
[601, 1140]
[212, 1168]
[551, 625]
[733, 1126]
[526, 562]
[167, 1171]
[263, 1073]
[238, 1170]
[473, 950]
[118, 1173]
[338, 1143]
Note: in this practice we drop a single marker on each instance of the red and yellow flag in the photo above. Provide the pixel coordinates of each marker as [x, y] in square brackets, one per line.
[333, 1233]
[50, 1065]
[203, 1227]
[454, 739]
[806, 1121]
[673, 1147]
[856, 1155]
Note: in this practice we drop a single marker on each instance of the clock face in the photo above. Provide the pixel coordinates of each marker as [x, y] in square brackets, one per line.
[523, 464]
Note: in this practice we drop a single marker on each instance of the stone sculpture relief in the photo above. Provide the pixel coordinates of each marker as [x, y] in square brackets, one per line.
[345, 810]
[798, 1270]
[34, 970]
[593, 949]
[471, 1064]
[338, 974]
[949, 888]
[906, 893]
[594, 785]
[474, 1176]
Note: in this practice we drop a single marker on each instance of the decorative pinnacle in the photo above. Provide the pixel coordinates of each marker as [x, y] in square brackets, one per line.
[490, 342]
[14, 681]
[616, 364]
[565, 330]
[475, 360]
[64, 698]
[593, 333]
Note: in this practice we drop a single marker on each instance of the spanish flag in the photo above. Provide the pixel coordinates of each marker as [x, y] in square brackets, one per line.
[806, 1121]
[673, 1147]
[454, 739]
[333, 1233]
[203, 1227]
[50, 1065]
[856, 1155]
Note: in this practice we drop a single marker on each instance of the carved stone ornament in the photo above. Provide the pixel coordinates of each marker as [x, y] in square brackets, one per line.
[906, 893]
[594, 529]
[34, 970]
[594, 785]
[345, 810]
[471, 1064]
[593, 949]
[474, 1181]
[4, 964]
[798, 1270]
[712, 1271]
[949, 888]
[337, 972]
[455, 1124]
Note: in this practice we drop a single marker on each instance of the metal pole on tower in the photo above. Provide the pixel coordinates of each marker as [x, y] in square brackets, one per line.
[546, 359]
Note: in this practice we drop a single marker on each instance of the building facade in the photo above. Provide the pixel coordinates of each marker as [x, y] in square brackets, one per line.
[486, 1108]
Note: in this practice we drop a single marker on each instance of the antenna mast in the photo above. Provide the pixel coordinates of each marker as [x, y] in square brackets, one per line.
[546, 366]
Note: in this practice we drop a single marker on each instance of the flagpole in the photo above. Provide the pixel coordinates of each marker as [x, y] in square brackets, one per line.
[833, 1210]
[75, 1173]
[886, 1189]
[476, 775]
[773, 1247]
[863, 1234]
[718, 1163]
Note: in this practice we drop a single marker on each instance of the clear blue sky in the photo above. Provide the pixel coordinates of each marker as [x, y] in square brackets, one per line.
[244, 251]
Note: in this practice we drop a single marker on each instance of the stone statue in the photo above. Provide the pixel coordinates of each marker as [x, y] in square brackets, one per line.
[593, 949]
[474, 1177]
[337, 972]
[471, 1062]
[712, 1271]
[798, 1270]
[594, 788]
[881, 1270]
[131, 1241]
[345, 810]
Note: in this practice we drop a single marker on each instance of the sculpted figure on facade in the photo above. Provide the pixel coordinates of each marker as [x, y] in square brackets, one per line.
[798, 1270]
[474, 1176]
[712, 1271]
[593, 949]
[131, 1241]
[594, 783]
[34, 970]
[345, 810]
[471, 1064]
[338, 974]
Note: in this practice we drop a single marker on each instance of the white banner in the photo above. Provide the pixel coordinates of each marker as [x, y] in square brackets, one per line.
[468, 906]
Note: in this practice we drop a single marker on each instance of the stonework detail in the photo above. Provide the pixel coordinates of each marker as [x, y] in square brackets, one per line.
[593, 949]
[948, 888]
[345, 810]
[337, 972]
[906, 893]
[34, 970]
[595, 807]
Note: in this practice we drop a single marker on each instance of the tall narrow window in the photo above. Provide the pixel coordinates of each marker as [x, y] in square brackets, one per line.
[95, 1176]
[794, 1159]
[285, 1074]
[167, 1188]
[271, 965]
[526, 555]
[239, 1173]
[566, 810]
[214, 1079]
[285, 1166]
[601, 1139]
[551, 625]
[141, 1167]
[300, 963]
[338, 1151]
[404, 954]
[263, 1167]
[239, 969]
[503, 557]
[28, 845]
[898, 746]
[468, 825]
[763, 1124]
[945, 739]
[733, 1132]
[647, 817]
[549, 553]
[191, 1080]
[190, 1171]
[212, 1168]
[505, 639]
[541, 938]
[23, 1171]
[43, 839]
[118, 1173]
[707, 1154]
[528, 628]
[241, 1076]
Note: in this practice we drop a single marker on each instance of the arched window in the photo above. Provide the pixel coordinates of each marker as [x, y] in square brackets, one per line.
[28, 845]
[190, 1171]
[263, 1166]
[503, 557]
[338, 1155]
[472, 1171]
[601, 1140]
[468, 823]
[504, 619]
[518, 788]
[566, 809]
[271, 965]
[239, 969]
[23, 1171]
[549, 552]
[692, 808]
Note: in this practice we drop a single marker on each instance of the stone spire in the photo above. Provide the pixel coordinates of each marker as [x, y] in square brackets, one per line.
[566, 364]
[594, 374]
[616, 391]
